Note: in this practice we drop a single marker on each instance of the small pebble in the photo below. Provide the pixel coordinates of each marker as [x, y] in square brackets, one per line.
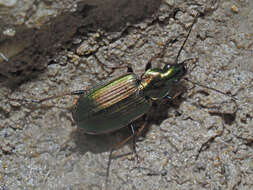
[235, 9]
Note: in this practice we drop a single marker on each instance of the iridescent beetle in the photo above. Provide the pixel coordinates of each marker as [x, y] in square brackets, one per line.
[116, 103]
[113, 105]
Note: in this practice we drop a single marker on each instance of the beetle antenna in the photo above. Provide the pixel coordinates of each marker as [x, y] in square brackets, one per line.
[182, 47]
[194, 83]
[203, 86]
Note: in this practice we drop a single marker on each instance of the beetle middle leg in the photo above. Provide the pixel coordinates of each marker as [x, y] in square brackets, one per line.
[134, 142]
[133, 136]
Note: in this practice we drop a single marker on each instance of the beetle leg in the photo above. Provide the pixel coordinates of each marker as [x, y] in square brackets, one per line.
[131, 136]
[129, 69]
[77, 92]
[134, 135]
[108, 169]
[148, 66]
[134, 143]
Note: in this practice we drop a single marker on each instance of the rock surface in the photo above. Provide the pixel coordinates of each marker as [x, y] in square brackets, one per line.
[201, 140]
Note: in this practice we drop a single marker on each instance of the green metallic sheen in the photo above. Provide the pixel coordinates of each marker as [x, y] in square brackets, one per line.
[114, 104]
[157, 83]
[110, 106]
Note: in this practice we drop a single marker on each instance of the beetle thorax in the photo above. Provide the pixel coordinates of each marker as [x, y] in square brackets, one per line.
[153, 84]
[157, 83]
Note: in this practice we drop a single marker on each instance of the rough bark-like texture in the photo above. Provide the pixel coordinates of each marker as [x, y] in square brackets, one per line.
[32, 32]
[201, 140]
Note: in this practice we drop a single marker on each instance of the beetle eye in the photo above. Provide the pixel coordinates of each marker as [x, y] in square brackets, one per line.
[167, 67]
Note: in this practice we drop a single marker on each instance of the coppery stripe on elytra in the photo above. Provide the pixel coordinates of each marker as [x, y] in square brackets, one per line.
[125, 107]
[111, 103]
[114, 100]
[110, 96]
[100, 107]
[117, 99]
[121, 94]
[108, 92]
[112, 86]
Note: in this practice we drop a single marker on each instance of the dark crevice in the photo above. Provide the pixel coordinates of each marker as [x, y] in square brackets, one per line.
[203, 92]
[249, 143]
[207, 144]
[246, 141]
[228, 118]
[16, 73]
[216, 109]
[85, 9]
[3, 113]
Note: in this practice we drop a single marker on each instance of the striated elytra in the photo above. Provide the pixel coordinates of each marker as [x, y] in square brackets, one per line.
[117, 102]
[114, 104]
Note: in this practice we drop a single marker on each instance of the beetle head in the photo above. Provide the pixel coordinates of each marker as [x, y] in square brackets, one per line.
[157, 83]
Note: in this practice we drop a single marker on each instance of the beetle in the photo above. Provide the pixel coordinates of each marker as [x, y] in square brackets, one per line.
[117, 102]
[113, 105]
